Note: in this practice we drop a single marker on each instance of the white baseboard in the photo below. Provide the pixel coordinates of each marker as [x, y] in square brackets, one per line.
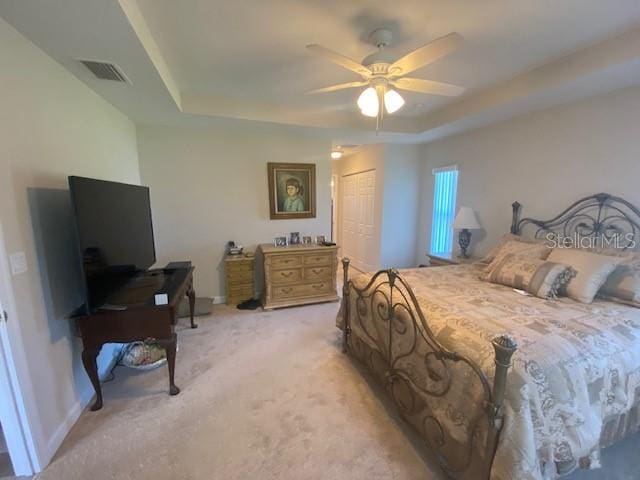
[72, 416]
[220, 299]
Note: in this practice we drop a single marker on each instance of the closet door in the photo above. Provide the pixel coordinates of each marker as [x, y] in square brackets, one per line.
[358, 219]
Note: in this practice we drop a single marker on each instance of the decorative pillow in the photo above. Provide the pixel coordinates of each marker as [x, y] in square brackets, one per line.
[527, 249]
[533, 275]
[507, 237]
[623, 285]
[592, 271]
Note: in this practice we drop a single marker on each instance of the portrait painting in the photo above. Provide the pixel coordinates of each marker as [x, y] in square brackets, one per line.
[292, 192]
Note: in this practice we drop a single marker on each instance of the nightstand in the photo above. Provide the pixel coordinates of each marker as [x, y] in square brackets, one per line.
[436, 261]
[239, 276]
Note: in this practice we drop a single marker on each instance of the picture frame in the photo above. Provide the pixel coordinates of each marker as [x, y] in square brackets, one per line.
[306, 240]
[280, 242]
[320, 239]
[294, 238]
[292, 190]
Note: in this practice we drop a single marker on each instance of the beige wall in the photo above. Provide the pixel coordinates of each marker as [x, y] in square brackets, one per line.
[545, 160]
[401, 206]
[367, 157]
[51, 126]
[209, 185]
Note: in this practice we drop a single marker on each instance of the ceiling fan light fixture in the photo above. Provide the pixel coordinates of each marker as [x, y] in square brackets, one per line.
[393, 101]
[368, 102]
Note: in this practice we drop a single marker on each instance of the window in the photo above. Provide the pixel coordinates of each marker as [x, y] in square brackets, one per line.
[444, 208]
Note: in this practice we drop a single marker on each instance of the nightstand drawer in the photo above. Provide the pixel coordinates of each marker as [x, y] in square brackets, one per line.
[286, 261]
[293, 291]
[291, 275]
[318, 273]
[242, 276]
[239, 267]
[318, 259]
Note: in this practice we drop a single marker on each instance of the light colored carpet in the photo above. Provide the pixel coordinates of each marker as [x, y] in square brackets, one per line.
[265, 395]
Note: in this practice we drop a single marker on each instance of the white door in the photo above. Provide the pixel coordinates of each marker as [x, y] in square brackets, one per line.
[358, 219]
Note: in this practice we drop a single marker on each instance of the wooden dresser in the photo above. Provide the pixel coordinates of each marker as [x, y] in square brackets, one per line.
[239, 276]
[298, 275]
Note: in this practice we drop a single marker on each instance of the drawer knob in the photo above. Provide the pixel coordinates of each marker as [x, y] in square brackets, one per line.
[318, 286]
[317, 271]
[286, 274]
[285, 290]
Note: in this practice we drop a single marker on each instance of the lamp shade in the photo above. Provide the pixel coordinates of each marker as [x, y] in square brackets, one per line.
[466, 218]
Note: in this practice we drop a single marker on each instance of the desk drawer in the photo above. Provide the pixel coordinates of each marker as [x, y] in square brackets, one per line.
[286, 261]
[295, 291]
[291, 275]
[314, 274]
[318, 259]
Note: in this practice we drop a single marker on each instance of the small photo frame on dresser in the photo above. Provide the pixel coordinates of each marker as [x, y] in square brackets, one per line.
[294, 238]
[306, 240]
[280, 242]
[320, 239]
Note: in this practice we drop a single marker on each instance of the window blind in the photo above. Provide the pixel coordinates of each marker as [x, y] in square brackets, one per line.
[444, 207]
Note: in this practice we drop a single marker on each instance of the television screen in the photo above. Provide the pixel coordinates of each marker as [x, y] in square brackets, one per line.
[115, 234]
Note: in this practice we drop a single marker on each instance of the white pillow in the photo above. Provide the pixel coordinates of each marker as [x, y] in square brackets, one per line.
[592, 270]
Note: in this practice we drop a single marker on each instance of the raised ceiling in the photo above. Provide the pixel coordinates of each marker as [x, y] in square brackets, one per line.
[247, 59]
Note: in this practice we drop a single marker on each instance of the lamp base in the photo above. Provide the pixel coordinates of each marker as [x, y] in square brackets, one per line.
[464, 239]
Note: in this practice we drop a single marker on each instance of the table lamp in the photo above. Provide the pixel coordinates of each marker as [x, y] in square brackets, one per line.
[465, 221]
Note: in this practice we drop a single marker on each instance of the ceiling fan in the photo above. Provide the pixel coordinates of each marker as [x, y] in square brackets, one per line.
[382, 75]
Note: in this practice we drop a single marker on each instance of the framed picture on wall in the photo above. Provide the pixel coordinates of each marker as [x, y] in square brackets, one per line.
[292, 190]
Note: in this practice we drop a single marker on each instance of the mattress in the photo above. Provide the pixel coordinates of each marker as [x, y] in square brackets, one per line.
[575, 381]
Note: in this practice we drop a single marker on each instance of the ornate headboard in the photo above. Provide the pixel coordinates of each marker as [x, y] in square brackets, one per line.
[607, 220]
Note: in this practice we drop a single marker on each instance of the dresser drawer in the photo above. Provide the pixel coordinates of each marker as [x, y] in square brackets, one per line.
[290, 275]
[318, 259]
[309, 290]
[286, 261]
[314, 274]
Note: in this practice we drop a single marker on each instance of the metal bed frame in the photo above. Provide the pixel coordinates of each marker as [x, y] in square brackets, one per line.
[406, 333]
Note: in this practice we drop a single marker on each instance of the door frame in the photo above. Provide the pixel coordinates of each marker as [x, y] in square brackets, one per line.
[13, 413]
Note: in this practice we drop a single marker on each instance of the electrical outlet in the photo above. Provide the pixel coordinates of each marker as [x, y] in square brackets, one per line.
[18, 263]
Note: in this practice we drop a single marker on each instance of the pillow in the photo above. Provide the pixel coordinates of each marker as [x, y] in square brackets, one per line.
[623, 285]
[533, 275]
[592, 271]
[507, 237]
[534, 250]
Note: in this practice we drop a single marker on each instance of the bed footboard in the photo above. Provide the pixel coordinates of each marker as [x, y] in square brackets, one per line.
[444, 395]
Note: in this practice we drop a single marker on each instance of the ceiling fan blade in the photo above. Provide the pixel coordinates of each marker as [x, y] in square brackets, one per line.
[339, 86]
[426, 54]
[427, 86]
[340, 60]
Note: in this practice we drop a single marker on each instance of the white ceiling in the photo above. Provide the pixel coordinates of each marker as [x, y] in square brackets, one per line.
[194, 60]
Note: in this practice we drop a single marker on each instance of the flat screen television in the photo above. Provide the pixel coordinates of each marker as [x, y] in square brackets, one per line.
[114, 233]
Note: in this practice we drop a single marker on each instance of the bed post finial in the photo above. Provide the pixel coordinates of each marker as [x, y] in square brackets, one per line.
[345, 302]
[504, 346]
[515, 216]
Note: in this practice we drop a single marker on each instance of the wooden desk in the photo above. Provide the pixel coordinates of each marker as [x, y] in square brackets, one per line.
[141, 320]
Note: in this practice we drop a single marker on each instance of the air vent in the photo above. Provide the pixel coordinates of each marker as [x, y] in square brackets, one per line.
[105, 71]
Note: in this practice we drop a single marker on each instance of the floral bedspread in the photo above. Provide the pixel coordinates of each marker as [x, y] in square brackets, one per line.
[575, 381]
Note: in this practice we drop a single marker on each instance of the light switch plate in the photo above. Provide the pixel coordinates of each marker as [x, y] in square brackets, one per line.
[18, 263]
